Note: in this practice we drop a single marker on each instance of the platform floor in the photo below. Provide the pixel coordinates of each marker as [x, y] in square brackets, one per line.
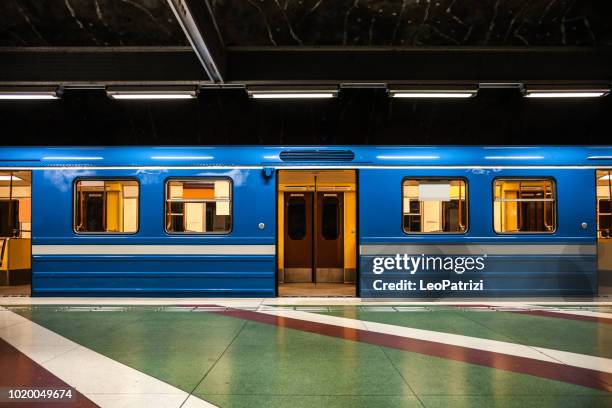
[309, 352]
[15, 290]
[317, 289]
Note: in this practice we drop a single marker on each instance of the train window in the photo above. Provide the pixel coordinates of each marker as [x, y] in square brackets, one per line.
[331, 217]
[199, 206]
[434, 206]
[524, 205]
[106, 206]
[9, 218]
[604, 204]
[296, 214]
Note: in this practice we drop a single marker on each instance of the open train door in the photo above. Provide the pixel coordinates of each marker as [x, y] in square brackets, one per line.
[317, 232]
[15, 232]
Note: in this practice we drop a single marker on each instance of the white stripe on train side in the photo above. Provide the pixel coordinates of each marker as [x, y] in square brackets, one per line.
[153, 250]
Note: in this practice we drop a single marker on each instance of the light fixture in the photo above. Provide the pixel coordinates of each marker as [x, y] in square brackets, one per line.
[424, 94]
[304, 92]
[28, 93]
[569, 91]
[10, 178]
[433, 91]
[151, 92]
[565, 94]
[605, 177]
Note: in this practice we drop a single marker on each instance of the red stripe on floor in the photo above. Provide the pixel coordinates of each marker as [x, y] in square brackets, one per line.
[554, 371]
[19, 372]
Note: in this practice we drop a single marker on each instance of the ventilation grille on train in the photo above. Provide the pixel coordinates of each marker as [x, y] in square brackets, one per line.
[317, 155]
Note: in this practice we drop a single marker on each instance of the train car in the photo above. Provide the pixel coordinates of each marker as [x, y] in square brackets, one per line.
[263, 221]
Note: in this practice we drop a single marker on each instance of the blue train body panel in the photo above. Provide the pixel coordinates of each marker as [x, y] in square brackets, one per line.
[235, 156]
[561, 263]
[149, 273]
[243, 262]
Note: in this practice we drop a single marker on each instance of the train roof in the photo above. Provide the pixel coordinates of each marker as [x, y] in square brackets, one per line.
[286, 156]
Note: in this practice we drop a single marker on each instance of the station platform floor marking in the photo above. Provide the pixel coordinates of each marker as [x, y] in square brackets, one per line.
[102, 380]
[272, 365]
[590, 371]
[295, 301]
[19, 372]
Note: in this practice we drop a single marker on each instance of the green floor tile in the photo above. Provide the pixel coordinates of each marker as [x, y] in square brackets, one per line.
[535, 401]
[306, 401]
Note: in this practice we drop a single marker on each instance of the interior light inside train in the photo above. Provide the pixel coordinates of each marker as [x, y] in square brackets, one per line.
[198, 206]
[434, 205]
[106, 206]
[524, 205]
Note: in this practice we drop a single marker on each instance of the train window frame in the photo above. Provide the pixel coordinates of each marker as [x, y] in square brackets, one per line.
[436, 178]
[529, 178]
[192, 178]
[599, 232]
[112, 178]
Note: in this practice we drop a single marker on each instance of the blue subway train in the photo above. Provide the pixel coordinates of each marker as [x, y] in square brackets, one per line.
[263, 221]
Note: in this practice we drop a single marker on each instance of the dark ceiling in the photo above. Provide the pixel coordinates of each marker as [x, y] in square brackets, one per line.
[80, 23]
[358, 116]
[414, 22]
[85, 45]
[61, 23]
[297, 41]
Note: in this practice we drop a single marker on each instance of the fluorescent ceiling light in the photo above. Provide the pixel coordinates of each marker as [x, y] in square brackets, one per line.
[28, 93]
[423, 94]
[151, 92]
[14, 96]
[552, 94]
[293, 92]
[292, 95]
[9, 178]
[152, 96]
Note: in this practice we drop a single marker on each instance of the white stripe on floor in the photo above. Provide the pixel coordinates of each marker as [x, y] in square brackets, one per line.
[578, 312]
[494, 346]
[104, 381]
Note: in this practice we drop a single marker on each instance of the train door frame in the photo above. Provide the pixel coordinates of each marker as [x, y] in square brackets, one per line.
[603, 282]
[30, 172]
[280, 228]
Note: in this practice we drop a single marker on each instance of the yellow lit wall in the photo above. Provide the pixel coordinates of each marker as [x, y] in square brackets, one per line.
[281, 232]
[350, 230]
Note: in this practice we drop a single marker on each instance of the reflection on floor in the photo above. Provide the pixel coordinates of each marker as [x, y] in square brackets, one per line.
[317, 289]
[15, 290]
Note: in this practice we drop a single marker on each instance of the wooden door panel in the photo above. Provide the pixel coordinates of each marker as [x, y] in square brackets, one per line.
[329, 239]
[298, 237]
